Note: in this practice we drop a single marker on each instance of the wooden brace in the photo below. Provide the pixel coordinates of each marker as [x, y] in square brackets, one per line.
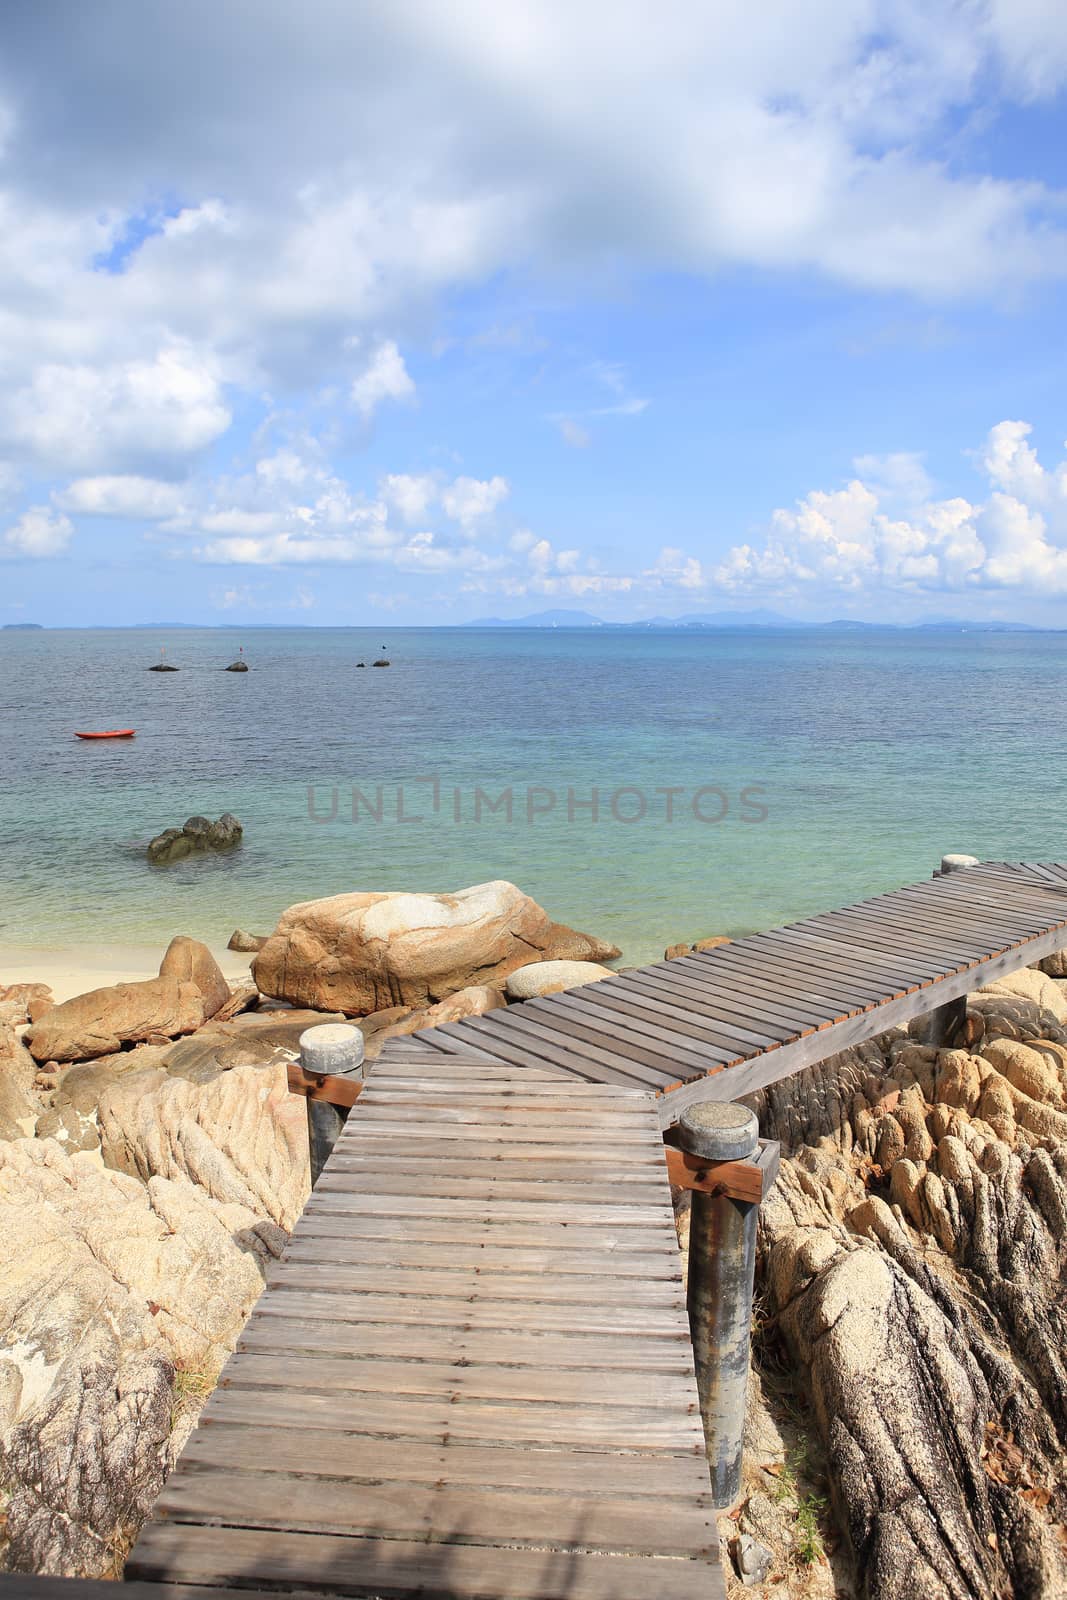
[750, 1180]
[324, 1086]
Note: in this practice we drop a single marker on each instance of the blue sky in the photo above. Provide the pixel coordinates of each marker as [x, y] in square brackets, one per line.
[339, 313]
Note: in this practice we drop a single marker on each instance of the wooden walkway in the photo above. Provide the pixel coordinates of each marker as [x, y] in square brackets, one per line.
[718, 1025]
[470, 1374]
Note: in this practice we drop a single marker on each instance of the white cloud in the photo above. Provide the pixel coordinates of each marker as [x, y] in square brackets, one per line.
[469, 501]
[117, 414]
[131, 497]
[674, 569]
[385, 378]
[411, 494]
[39, 533]
[854, 542]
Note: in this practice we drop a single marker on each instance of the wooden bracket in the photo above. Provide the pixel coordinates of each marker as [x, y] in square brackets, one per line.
[328, 1086]
[750, 1180]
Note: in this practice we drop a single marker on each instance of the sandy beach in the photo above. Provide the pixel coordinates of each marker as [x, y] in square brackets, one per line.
[82, 967]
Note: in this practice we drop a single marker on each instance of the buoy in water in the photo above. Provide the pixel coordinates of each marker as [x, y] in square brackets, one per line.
[163, 665]
[240, 665]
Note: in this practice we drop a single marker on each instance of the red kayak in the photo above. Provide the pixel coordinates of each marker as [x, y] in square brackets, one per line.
[112, 733]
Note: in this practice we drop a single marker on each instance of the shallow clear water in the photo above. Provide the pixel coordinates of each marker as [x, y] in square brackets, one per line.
[870, 755]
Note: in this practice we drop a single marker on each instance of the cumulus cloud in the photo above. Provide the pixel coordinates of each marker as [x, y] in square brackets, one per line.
[117, 414]
[119, 496]
[856, 541]
[39, 533]
[384, 378]
[470, 501]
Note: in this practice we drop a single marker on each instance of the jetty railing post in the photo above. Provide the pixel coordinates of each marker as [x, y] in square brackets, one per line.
[332, 1048]
[945, 1021]
[722, 1265]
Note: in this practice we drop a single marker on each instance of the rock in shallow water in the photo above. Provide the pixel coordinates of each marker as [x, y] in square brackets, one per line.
[196, 834]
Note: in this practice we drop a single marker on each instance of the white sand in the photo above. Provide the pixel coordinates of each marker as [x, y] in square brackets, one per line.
[71, 972]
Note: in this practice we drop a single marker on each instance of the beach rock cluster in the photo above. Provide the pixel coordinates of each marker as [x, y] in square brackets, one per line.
[910, 1279]
[152, 1162]
[195, 834]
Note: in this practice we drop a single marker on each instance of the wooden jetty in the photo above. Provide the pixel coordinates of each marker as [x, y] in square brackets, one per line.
[470, 1374]
[720, 1024]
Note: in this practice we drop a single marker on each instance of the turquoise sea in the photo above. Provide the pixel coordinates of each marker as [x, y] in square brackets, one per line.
[805, 769]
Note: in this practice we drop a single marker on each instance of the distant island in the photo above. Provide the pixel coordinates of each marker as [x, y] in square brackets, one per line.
[22, 627]
[746, 619]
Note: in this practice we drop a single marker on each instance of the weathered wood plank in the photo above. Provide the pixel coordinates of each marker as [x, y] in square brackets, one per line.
[647, 1478]
[583, 1522]
[375, 1567]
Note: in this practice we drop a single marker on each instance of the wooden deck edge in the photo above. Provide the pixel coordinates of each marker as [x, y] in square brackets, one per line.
[730, 1083]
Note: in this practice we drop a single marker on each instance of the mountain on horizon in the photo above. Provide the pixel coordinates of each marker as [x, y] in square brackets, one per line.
[539, 619]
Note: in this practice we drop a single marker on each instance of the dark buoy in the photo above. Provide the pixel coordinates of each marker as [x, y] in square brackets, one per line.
[162, 665]
[240, 665]
[361, 663]
[382, 663]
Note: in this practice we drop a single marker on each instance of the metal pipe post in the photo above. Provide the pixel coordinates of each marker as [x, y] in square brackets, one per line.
[722, 1265]
[332, 1048]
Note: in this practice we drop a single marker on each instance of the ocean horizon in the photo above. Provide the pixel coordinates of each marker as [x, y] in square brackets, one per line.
[649, 786]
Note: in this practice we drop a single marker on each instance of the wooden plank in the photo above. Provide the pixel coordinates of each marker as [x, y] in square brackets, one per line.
[516, 1029]
[452, 1069]
[522, 1051]
[244, 1498]
[648, 1478]
[667, 1036]
[749, 1076]
[446, 1278]
[494, 1213]
[658, 1322]
[490, 1189]
[459, 1335]
[447, 1232]
[563, 1133]
[554, 1266]
[599, 1428]
[556, 1016]
[376, 1567]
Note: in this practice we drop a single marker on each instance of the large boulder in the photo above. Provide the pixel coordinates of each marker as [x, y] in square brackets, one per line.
[189, 990]
[192, 962]
[365, 952]
[553, 977]
[102, 1021]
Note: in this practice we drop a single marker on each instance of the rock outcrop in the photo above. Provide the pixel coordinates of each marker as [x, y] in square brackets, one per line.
[116, 1295]
[911, 1260]
[19, 1106]
[241, 1139]
[364, 952]
[103, 1020]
